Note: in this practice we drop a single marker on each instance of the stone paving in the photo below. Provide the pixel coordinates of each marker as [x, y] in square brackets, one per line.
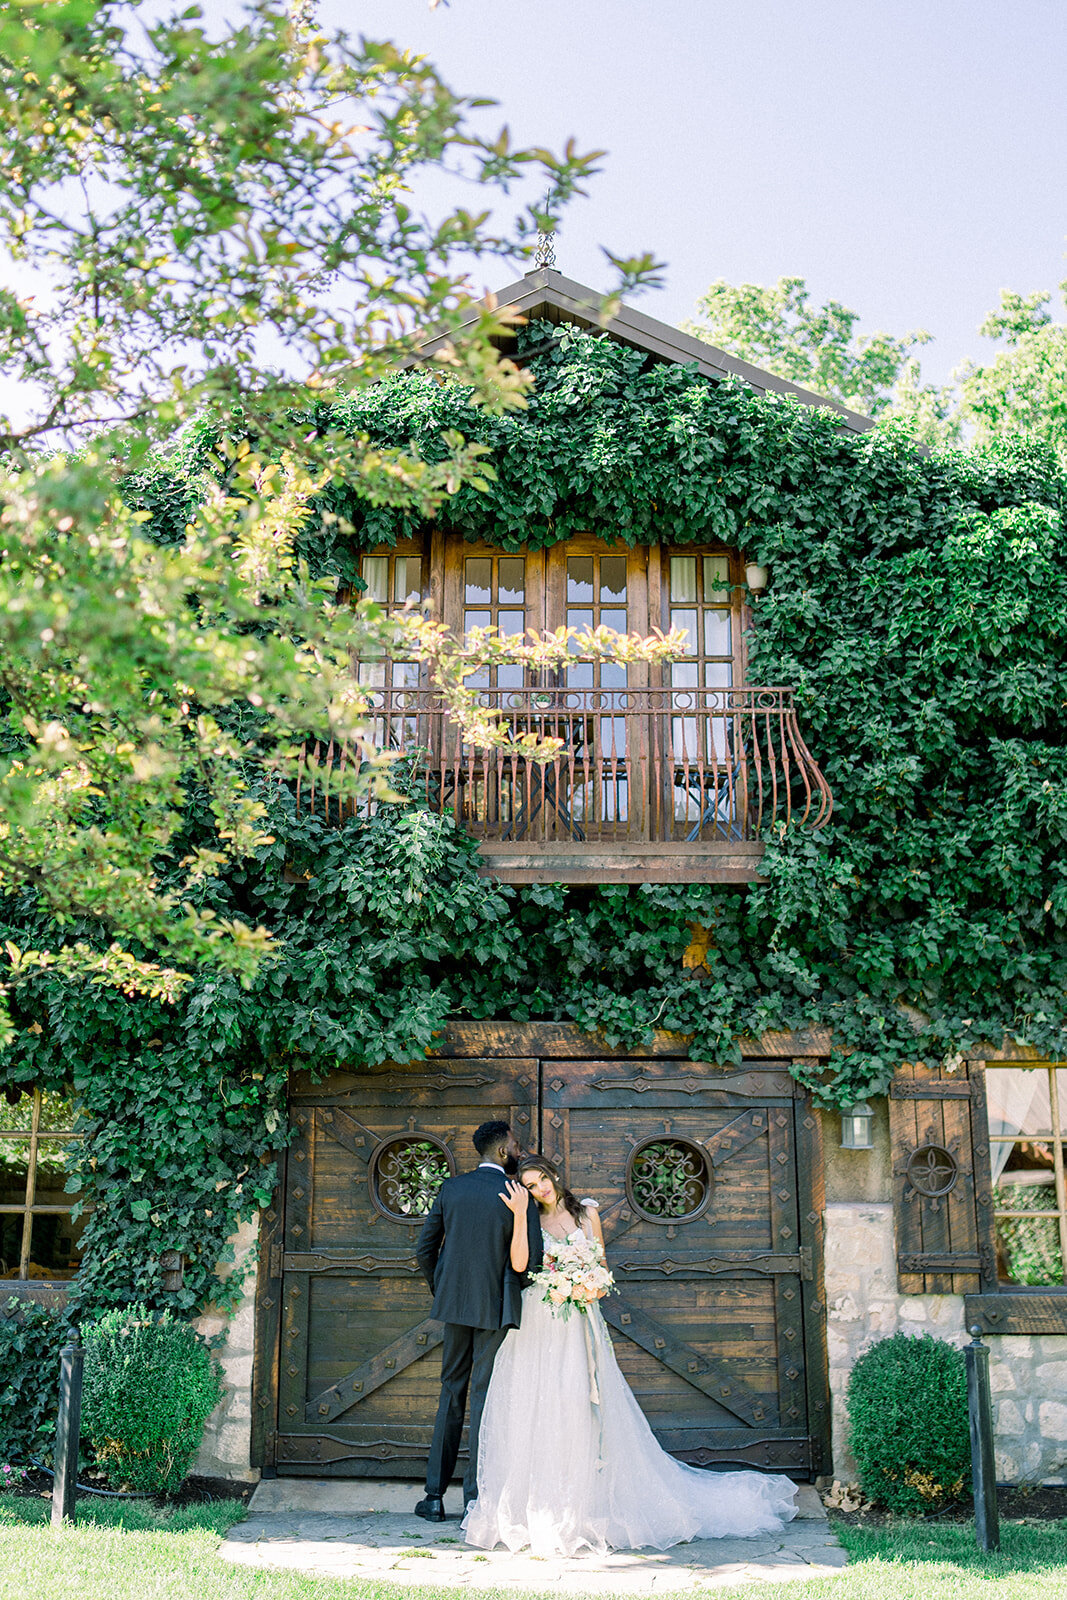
[366, 1530]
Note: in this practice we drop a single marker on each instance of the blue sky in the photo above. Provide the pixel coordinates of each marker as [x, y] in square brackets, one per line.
[909, 159]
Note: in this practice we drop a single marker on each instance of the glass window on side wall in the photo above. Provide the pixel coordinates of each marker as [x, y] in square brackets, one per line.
[702, 600]
[1027, 1135]
[39, 1241]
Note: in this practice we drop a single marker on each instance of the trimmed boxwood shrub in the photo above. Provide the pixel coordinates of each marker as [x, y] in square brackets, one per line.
[907, 1403]
[150, 1385]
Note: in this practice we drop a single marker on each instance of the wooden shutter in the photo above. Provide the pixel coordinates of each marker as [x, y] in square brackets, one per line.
[942, 1199]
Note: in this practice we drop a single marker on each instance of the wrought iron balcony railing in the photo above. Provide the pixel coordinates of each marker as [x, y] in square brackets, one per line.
[682, 767]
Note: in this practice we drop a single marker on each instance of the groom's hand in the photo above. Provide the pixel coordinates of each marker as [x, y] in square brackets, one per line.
[517, 1198]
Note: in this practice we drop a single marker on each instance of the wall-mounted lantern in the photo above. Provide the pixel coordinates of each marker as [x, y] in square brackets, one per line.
[172, 1265]
[857, 1127]
[756, 577]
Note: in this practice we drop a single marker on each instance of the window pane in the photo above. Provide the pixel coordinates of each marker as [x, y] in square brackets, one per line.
[613, 580]
[717, 633]
[580, 618]
[10, 1244]
[1028, 1248]
[511, 580]
[687, 622]
[511, 623]
[407, 583]
[612, 738]
[580, 676]
[1022, 1158]
[510, 677]
[580, 580]
[684, 674]
[478, 577]
[53, 1164]
[55, 1246]
[376, 577]
[14, 1167]
[718, 675]
[16, 1118]
[476, 619]
[57, 1113]
[612, 675]
[613, 619]
[684, 579]
[716, 579]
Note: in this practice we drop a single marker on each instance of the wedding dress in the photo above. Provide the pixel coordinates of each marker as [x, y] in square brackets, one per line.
[559, 1473]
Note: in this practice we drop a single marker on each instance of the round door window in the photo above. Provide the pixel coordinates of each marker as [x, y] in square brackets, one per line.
[669, 1180]
[406, 1173]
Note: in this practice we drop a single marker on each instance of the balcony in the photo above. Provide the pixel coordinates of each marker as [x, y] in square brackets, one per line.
[646, 786]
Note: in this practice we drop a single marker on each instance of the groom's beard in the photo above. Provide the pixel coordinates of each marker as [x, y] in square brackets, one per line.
[511, 1166]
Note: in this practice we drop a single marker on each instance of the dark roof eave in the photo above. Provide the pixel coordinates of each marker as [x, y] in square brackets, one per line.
[547, 288]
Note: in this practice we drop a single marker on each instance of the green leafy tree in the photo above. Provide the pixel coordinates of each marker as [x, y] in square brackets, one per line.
[218, 225]
[776, 327]
[1023, 389]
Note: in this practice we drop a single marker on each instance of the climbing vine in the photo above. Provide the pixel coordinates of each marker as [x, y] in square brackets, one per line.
[918, 604]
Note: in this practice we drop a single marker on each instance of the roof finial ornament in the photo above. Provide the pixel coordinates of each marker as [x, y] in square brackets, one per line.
[545, 253]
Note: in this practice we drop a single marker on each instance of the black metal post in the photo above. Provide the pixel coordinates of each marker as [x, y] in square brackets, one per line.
[68, 1433]
[983, 1464]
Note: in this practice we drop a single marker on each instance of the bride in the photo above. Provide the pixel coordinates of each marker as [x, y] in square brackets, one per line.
[566, 1459]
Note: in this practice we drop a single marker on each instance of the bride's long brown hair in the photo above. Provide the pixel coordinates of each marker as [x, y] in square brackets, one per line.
[549, 1170]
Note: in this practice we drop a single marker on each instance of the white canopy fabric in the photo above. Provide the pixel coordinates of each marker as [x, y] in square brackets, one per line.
[1019, 1104]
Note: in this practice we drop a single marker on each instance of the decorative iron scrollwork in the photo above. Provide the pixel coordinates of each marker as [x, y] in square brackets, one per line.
[932, 1170]
[406, 1173]
[669, 1180]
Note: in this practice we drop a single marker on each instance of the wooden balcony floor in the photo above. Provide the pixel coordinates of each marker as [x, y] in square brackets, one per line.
[601, 861]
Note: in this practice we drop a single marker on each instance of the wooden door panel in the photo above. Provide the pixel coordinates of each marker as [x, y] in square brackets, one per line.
[708, 1320]
[709, 1324]
[360, 1360]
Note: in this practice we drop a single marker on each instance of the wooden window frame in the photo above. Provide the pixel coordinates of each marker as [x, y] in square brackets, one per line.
[1005, 1308]
[740, 611]
[24, 1286]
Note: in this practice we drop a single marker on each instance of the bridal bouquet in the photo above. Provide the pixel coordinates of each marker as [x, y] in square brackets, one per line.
[573, 1277]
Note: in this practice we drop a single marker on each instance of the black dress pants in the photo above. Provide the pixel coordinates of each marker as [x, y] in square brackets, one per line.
[467, 1357]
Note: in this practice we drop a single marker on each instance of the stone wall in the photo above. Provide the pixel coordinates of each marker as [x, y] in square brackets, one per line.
[226, 1450]
[1028, 1373]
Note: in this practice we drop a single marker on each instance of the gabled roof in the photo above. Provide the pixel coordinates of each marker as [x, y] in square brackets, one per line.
[545, 295]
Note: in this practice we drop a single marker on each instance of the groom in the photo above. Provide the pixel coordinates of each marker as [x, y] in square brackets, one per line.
[464, 1253]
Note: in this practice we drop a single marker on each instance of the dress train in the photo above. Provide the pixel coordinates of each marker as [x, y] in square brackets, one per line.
[568, 1462]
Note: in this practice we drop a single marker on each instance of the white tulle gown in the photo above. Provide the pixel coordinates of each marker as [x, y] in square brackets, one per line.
[558, 1473]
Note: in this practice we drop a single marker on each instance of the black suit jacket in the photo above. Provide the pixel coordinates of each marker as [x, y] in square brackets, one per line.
[464, 1252]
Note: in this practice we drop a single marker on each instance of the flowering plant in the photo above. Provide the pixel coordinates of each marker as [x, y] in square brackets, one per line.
[10, 1477]
[573, 1276]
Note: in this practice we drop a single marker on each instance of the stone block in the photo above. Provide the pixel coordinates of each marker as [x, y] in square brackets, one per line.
[1007, 1418]
[1002, 1377]
[1053, 1420]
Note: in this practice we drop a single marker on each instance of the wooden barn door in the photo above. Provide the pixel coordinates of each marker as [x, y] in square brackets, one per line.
[712, 1241]
[358, 1363]
[708, 1183]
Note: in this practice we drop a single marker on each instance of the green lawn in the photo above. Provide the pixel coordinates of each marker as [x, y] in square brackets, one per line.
[130, 1551]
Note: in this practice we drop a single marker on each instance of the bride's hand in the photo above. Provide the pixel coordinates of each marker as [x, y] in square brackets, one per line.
[517, 1198]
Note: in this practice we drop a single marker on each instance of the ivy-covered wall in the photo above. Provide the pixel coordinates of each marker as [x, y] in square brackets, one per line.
[919, 606]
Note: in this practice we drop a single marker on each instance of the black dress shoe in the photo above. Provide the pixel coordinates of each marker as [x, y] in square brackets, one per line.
[432, 1509]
